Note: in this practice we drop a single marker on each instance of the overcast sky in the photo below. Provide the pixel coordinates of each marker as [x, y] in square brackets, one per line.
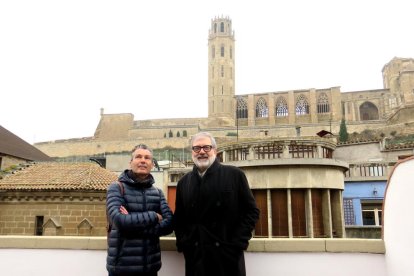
[62, 61]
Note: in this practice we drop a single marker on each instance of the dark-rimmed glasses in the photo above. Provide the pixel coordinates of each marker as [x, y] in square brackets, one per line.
[206, 148]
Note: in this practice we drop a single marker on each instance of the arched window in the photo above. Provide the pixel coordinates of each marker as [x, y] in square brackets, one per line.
[261, 108]
[323, 103]
[302, 105]
[241, 111]
[281, 107]
[213, 51]
[222, 27]
[222, 51]
[368, 111]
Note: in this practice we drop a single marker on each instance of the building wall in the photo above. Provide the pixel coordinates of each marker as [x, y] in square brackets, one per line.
[322, 257]
[65, 214]
[7, 161]
[85, 147]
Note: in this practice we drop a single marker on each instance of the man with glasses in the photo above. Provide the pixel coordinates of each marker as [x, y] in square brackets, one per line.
[215, 213]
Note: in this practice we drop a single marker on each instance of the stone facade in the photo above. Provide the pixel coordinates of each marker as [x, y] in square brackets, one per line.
[53, 214]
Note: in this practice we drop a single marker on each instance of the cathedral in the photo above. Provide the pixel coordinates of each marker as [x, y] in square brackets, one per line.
[271, 114]
[305, 183]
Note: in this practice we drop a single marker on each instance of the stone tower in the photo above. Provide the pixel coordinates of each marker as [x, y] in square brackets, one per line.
[398, 76]
[221, 75]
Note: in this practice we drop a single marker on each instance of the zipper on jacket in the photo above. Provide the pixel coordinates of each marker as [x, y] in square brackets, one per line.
[144, 200]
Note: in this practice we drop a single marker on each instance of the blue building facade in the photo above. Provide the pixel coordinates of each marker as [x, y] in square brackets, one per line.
[363, 202]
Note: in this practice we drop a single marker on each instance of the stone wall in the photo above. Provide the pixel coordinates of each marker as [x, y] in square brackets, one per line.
[7, 161]
[65, 148]
[63, 214]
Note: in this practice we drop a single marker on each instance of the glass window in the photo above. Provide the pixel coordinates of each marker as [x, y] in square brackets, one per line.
[302, 105]
[262, 110]
[281, 107]
[242, 111]
[323, 103]
[349, 212]
[371, 213]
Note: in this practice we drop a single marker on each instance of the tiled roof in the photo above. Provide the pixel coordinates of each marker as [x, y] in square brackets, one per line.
[59, 176]
[11, 144]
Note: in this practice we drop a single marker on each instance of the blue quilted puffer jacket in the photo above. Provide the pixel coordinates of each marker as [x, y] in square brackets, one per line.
[133, 241]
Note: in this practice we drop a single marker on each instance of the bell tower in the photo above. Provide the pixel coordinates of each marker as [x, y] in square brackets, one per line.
[221, 69]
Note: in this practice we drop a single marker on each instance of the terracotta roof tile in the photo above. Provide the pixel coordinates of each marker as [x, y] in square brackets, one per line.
[59, 176]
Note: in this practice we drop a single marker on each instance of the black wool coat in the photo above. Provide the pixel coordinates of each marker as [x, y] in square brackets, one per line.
[213, 220]
[133, 242]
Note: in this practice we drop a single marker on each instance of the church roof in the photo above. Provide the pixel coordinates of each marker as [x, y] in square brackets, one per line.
[58, 176]
[13, 145]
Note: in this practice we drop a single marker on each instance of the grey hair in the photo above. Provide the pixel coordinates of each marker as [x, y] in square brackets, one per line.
[204, 134]
[141, 146]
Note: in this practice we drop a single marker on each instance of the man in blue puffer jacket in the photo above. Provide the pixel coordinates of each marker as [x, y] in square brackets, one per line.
[139, 215]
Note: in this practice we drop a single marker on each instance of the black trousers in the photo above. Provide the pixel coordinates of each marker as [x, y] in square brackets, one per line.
[138, 274]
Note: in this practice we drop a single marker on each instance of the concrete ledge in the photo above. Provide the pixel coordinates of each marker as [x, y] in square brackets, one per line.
[356, 245]
[168, 244]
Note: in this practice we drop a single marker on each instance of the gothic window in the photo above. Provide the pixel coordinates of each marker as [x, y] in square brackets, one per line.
[222, 51]
[231, 52]
[261, 108]
[302, 105]
[241, 108]
[368, 111]
[213, 51]
[323, 103]
[222, 27]
[281, 107]
[215, 27]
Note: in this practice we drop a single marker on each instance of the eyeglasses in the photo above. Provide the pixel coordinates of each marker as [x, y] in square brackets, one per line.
[206, 148]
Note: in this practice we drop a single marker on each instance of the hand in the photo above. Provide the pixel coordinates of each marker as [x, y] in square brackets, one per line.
[123, 210]
[159, 217]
